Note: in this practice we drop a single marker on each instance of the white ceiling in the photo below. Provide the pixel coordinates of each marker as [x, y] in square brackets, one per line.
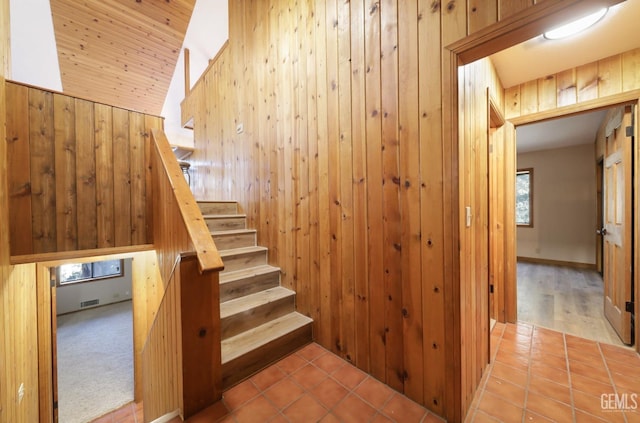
[539, 57]
[557, 133]
[617, 32]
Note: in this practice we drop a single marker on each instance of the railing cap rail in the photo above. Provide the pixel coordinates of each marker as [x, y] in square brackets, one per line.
[208, 256]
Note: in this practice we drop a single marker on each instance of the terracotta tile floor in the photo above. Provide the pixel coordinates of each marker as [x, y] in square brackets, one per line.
[541, 375]
[311, 385]
[536, 375]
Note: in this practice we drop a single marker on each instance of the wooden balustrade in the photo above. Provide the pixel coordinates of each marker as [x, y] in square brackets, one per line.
[181, 358]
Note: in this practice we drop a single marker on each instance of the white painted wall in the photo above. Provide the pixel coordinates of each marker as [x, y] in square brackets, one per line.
[34, 55]
[564, 206]
[107, 291]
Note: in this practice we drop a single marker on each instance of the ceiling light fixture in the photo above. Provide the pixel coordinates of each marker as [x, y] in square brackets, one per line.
[576, 26]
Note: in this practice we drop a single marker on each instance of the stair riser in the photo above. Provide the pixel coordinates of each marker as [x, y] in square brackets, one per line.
[228, 242]
[233, 325]
[248, 286]
[218, 208]
[246, 365]
[242, 261]
[226, 224]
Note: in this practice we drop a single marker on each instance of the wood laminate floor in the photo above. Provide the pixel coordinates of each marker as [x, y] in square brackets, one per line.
[565, 299]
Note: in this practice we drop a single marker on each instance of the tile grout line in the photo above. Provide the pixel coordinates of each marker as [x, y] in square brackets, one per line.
[566, 358]
[611, 380]
[526, 390]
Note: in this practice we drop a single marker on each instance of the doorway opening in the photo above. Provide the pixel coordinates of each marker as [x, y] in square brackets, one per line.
[559, 279]
[94, 338]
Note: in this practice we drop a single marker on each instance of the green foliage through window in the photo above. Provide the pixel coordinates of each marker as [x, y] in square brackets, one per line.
[524, 197]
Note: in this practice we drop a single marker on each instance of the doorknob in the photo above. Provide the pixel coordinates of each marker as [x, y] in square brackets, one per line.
[602, 231]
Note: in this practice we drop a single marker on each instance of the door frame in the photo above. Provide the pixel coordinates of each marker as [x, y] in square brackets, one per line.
[511, 31]
[143, 299]
[629, 98]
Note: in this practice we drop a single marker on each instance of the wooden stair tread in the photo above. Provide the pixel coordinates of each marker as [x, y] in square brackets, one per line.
[247, 302]
[224, 216]
[233, 232]
[249, 272]
[216, 202]
[242, 250]
[257, 337]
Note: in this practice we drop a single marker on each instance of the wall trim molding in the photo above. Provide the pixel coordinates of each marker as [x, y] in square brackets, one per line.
[575, 265]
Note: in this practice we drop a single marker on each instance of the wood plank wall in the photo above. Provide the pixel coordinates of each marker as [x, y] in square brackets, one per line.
[611, 76]
[476, 82]
[162, 384]
[77, 173]
[342, 168]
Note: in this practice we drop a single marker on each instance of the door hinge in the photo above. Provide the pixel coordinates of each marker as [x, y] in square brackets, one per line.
[491, 289]
[628, 306]
[53, 283]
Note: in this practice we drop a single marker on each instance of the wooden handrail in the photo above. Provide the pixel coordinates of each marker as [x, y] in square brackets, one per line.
[208, 256]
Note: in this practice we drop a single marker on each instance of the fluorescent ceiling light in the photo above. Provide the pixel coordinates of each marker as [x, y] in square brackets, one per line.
[575, 26]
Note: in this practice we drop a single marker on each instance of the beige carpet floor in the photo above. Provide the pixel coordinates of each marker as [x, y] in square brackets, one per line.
[95, 362]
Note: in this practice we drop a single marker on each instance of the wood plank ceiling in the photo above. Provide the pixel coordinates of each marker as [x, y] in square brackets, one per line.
[120, 52]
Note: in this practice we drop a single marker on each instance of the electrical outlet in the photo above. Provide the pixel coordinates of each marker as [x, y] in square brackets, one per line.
[20, 393]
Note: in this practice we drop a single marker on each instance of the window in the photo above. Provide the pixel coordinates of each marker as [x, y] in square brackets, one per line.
[524, 197]
[83, 272]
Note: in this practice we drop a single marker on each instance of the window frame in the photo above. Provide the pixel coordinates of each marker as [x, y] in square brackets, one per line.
[529, 171]
[60, 283]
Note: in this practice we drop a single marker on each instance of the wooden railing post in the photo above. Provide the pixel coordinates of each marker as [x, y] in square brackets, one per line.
[201, 356]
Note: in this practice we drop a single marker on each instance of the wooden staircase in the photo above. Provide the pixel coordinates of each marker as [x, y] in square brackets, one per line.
[259, 323]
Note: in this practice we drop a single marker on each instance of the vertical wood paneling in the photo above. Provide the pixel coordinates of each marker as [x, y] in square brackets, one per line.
[567, 91]
[507, 8]
[359, 166]
[19, 322]
[409, 176]
[606, 77]
[482, 13]
[86, 175]
[301, 157]
[587, 82]
[631, 70]
[610, 76]
[374, 195]
[314, 166]
[324, 253]
[391, 195]
[104, 176]
[138, 178]
[347, 318]
[122, 177]
[43, 190]
[335, 227]
[19, 167]
[512, 101]
[65, 156]
[70, 183]
[432, 218]
[454, 284]
[547, 92]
